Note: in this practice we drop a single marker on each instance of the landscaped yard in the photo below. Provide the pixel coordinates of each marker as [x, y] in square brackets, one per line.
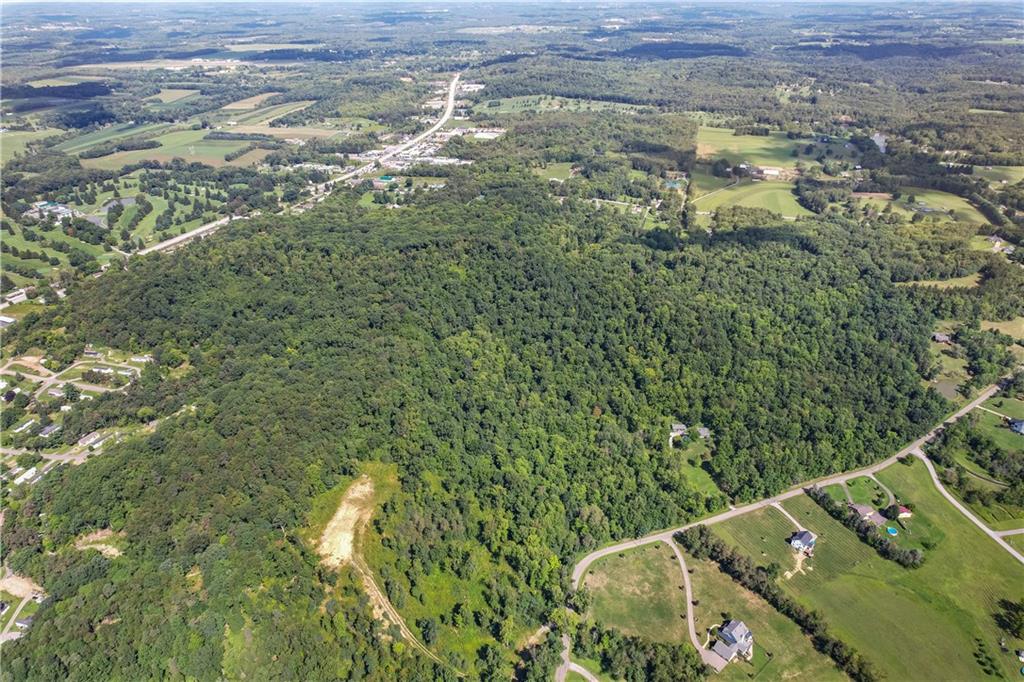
[762, 150]
[762, 535]
[793, 655]
[865, 491]
[639, 593]
[937, 610]
[774, 196]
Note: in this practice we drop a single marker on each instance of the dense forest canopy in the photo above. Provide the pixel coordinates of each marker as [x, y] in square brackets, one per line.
[526, 355]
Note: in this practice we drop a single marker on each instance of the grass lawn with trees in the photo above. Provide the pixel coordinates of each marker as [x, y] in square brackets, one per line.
[937, 610]
[863, 490]
[774, 196]
[718, 598]
[639, 593]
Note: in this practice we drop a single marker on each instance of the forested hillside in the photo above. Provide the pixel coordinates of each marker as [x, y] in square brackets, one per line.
[518, 360]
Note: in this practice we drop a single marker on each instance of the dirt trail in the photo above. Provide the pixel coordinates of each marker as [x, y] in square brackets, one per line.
[338, 547]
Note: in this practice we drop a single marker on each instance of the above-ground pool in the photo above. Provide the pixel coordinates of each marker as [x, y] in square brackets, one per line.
[892, 531]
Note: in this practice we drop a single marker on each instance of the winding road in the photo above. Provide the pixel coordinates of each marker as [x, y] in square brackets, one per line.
[913, 449]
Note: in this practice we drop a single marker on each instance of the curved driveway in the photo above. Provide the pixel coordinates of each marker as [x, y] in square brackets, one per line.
[581, 568]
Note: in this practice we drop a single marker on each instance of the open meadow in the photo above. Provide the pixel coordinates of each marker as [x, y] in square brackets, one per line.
[762, 150]
[777, 197]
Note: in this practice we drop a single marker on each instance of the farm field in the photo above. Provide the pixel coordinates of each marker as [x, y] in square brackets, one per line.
[512, 105]
[639, 593]
[936, 610]
[793, 654]
[268, 114]
[62, 80]
[14, 141]
[767, 150]
[114, 132]
[169, 95]
[774, 196]
[249, 102]
[185, 144]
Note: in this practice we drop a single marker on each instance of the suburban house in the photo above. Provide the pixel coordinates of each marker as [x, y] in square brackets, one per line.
[23, 622]
[868, 513]
[803, 541]
[734, 638]
[1017, 426]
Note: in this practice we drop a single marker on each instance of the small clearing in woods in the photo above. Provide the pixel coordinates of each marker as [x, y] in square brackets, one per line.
[19, 586]
[337, 544]
[95, 540]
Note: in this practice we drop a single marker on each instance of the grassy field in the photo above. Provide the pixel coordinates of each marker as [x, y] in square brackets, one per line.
[114, 132]
[703, 181]
[965, 282]
[1011, 407]
[959, 208]
[762, 535]
[555, 171]
[774, 196]
[185, 144]
[863, 490]
[1000, 174]
[792, 654]
[512, 105]
[994, 427]
[249, 102]
[936, 611]
[691, 458]
[1014, 327]
[768, 150]
[14, 141]
[639, 593]
[268, 114]
[952, 373]
[168, 95]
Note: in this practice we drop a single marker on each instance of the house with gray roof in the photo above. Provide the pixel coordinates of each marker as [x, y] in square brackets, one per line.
[1017, 426]
[734, 638]
[803, 541]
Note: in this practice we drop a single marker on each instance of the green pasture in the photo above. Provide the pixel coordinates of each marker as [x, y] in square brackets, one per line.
[170, 95]
[761, 150]
[1000, 174]
[555, 171]
[639, 593]
[703, 182]
[184, 144]
[774, 196]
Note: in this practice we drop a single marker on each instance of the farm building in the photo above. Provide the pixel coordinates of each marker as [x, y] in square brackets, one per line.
[734, 638]
[803, 541]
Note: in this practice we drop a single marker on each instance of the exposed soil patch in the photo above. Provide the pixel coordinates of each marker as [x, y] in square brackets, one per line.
[95, 540]
[337, 544]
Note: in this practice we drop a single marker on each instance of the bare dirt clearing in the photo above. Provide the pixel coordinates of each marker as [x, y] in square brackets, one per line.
[337, 544]
[95, 540]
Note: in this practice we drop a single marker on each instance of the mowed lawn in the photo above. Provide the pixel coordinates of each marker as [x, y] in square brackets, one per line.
[935, 612]
[703, 182]
[639, 593]
[555, 171]
[184, 144]
[774, 196]
[1011, 407]
[1000, 174]
[762, 535]
[793, 656]
[762, 150]
[1014, 327]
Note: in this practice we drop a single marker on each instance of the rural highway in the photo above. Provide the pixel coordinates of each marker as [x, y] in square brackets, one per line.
[913, 449]
[319, 191]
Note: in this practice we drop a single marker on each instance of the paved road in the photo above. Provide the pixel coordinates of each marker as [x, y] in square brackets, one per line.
[320, 191]
[1004, 533]
[581, 568]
